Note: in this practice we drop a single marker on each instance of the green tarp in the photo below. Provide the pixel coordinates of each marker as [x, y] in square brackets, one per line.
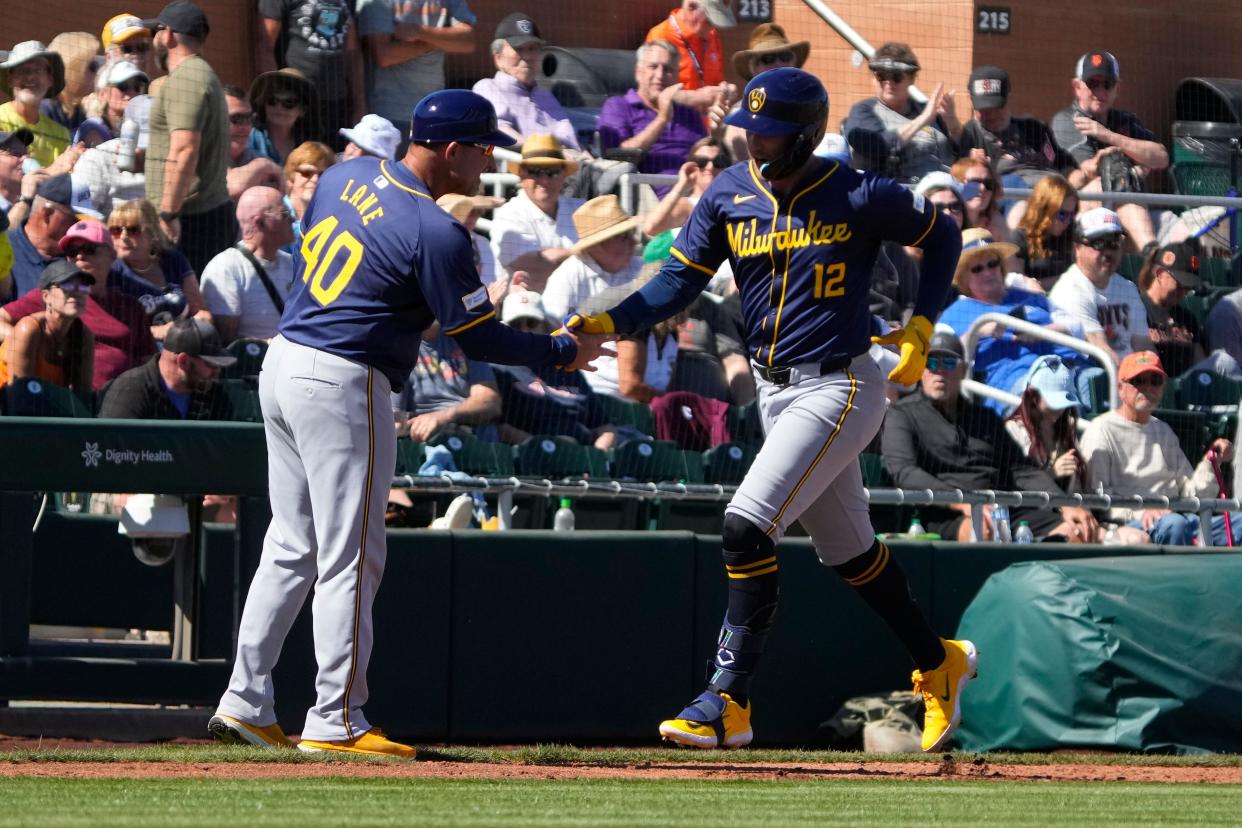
[1115, 653]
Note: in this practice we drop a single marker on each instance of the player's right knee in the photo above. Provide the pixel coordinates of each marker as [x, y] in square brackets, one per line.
[745, 544]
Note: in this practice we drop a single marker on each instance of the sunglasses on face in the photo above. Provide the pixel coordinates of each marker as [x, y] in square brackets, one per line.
[1106, 85]
[86, 249]
[140, 48]
[886, 76]
[943, 363]
[985, 183]
[285, 101]
[74, 287]
[775, 58]
[487, 149]
[542, 172]
[717, 163]
[308, 171]
[16, 151]
[982, 266]
[1064, 215]
[133, 87]
[1150, 380]
[1109, 243]
[241, 119]
[119, 229]
[951, 207]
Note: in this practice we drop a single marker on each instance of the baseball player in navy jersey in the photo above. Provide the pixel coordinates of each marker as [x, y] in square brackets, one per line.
[801, 234]
[379, 262]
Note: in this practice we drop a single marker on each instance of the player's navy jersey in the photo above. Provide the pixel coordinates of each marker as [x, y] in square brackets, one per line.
[802, 262]
[379, 262]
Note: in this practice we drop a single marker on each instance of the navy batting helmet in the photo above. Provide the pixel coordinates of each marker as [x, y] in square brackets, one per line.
[456, 115]
[784, 101]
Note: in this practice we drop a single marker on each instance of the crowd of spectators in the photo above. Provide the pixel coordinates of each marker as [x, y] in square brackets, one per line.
[148, 206]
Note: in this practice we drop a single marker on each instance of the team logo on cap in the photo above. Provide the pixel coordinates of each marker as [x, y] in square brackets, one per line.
[756, 99]
[525, 26]
[987, 86]
[1097, 60]
[1168, 258]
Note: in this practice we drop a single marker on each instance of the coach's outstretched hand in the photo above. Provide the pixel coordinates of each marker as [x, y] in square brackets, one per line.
[912, 342]
[590, 346]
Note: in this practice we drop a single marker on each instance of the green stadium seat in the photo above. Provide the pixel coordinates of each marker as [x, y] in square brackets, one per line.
[409, 456]
[1197, 305]
[1199, 390]
[249, 353]
[1193, 430]
[475, 456]
[1215, 273]
[555, 457]
[622, 412]
[727, 463]
[874, 473]
[30, 397]
[655, 461]
[745, 425]
[243, 395]
[1130, 266]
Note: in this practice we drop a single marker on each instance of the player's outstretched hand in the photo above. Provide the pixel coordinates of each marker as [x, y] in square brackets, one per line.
[912, 342]
[590, 347]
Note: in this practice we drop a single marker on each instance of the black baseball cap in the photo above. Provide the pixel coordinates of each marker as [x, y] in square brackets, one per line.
[989, 87]
[518, 30]
[946, 342]
[1097, 65]
[198, 338]
[57, 188]
[21, 134]
[1182, 261]
[61, 271]
[182, 17]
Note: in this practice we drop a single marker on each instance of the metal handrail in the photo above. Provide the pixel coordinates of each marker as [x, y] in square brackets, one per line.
[1154, 199]
[1056, 337]
[852, 37]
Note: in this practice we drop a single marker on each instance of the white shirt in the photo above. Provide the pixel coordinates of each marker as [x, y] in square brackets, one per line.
[1117, 311]
[109, 185]
[231, 287]
[519, 226]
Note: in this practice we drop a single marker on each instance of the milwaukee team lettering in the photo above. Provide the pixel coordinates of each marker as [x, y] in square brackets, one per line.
[746, 239]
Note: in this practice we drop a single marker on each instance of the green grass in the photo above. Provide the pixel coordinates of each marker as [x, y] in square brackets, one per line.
[305, 803]
[603, 757]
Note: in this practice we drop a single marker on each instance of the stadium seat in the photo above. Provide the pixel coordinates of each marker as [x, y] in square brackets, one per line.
[744, 424]
[475, 456]
[1199, 390]
[1130, 266]
[556, 457]
[243, 394]
[622, 412]
[31, 397]
[874, 473]
[1215, 273]
[1193, 430]
[727, 463]
[409, 456]
[655, 461]
[249, 353]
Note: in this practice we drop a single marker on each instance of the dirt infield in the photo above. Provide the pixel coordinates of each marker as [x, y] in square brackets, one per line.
[948, 767]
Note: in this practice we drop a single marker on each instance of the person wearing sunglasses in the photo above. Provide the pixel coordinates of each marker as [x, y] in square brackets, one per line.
[286, 113]
[1045, 235]
[1170, 274]
[118, 84]
[981, 195]
[1111, 147]
[30, 74]
[1004, 356]
[707, 158]
[892, 133]
[53, 344]
[125, 37]
[693, 30]
[1131, 451]
[1091, 298]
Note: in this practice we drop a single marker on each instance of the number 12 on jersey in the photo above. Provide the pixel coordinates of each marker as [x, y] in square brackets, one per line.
[833, 285]
[320, 251]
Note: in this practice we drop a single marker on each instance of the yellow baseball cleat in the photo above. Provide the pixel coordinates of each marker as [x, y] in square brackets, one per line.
[372, 743]
[232, 731]
[942, 692]
[710, 721]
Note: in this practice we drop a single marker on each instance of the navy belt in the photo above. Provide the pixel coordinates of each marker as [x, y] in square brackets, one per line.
[779, 374]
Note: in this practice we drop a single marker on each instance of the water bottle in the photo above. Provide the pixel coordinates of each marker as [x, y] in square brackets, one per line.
[1000, 521]
[127, 145]
[563, 520]
[916, 527]
[1023, 535]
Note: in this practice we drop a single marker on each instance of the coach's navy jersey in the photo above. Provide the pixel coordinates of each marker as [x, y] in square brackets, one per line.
[379, 261]
[802, 262]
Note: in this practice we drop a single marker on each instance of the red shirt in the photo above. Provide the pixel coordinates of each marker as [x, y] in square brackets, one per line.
[119, 323]
[706, 50]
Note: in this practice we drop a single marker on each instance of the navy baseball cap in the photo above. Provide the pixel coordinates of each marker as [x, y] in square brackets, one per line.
[781, 102]
[199, 338]
[1097, 65]
[57, 188]
[457, 115]
[21, 134]
[182, 17]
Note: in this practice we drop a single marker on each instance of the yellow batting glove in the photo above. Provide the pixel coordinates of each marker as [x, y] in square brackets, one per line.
[912, 342]
[599, 323]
